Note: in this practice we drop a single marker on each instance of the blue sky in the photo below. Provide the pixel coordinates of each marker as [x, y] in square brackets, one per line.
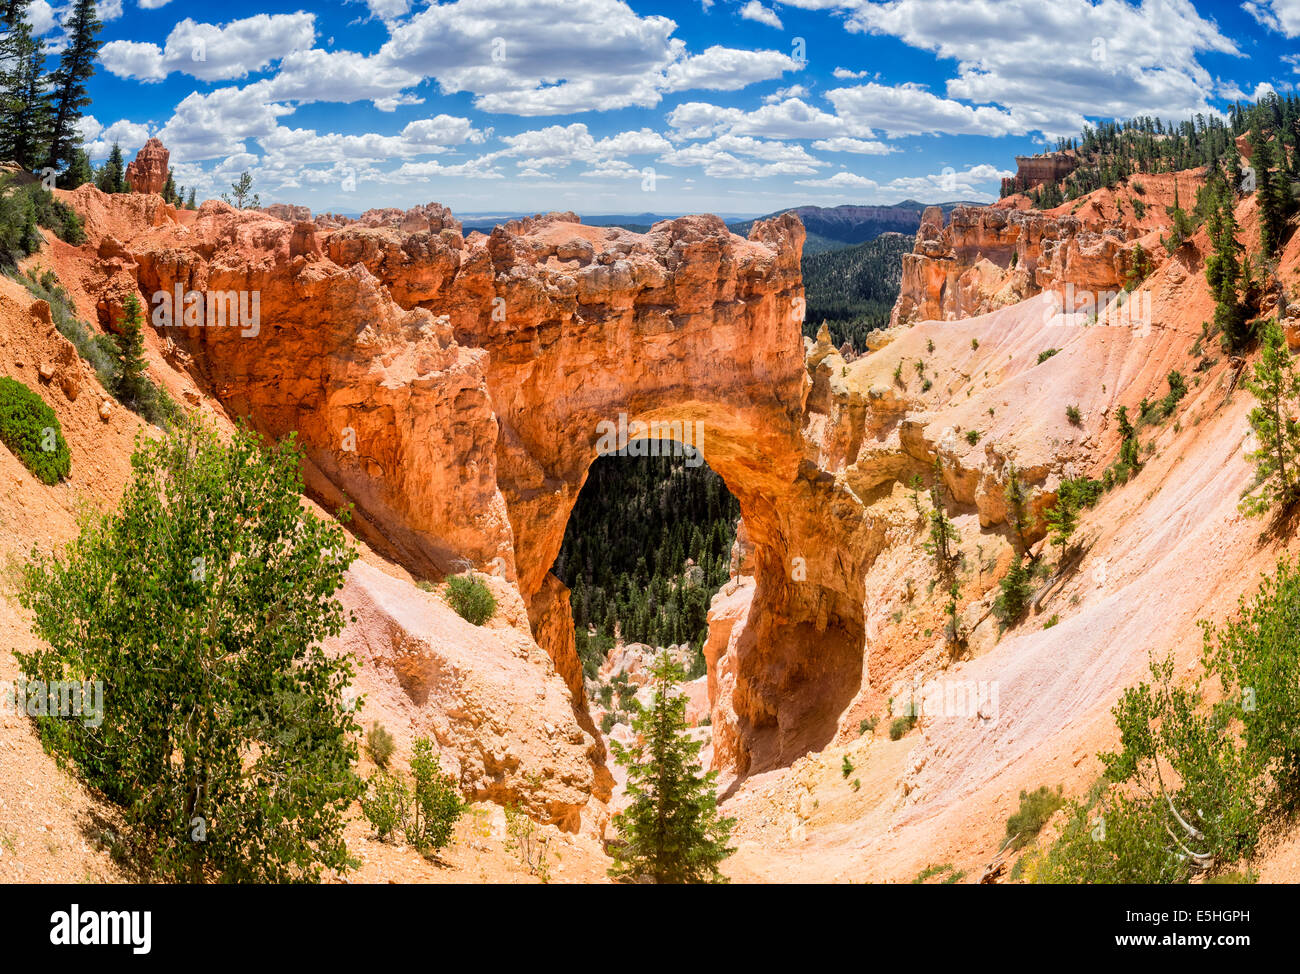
[607, 106]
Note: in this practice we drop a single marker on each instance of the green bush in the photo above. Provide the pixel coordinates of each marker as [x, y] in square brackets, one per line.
[1036, 807]
[1047, 353]
[1073, 415]
[200, 604]
[379, 744]
[435, 801]
[900, 726]
[385, 803]
[471, 598]
[972, 437]
[30, 429]
[846, 766]
[867, 725]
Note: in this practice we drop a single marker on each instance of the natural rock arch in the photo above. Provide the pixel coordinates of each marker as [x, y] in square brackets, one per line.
[452, 388]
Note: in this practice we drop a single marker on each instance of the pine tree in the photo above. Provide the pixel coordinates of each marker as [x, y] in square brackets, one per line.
[190, 203]
[1270, 191]
[111, 177]
[24, 98]
[1018, 515]
[1223, 271]
[943, 535]
[78, 172]
[130, 382]
[241, 195]
[68, 83]
[1277, 461]
[672, 831]
[1063, 517]
[169, 189]
[1013, 600]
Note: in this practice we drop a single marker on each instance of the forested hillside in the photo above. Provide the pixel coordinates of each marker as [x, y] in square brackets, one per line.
[853, 289]
[647, 545]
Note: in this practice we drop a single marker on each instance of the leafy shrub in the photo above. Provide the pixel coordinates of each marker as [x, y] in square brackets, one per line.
[846, 766]
[867, 725]
[1073, 415]
[471, 598]
[1036, 807]
[30, 429]
[200, 604]
[435, 801]
[972, 437]
[379, 744]
[385, 803]
[1044, 355]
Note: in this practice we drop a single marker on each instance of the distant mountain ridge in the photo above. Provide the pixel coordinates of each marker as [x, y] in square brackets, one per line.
[841, 226]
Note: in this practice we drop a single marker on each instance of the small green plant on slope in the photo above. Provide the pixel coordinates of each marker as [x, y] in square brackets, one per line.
[529, 843]
[471, 598]
[201, 603]
[846, 766]
[1073, 415]
[1036, 807]
[672, 831]
[1044, 355]
[944, 536]
[385, 803]
[379, 744]
[1276, 385]
[435, 801]
[29, 428]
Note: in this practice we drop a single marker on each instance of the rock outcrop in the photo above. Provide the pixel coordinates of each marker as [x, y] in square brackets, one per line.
[990, 257]
[147, 172]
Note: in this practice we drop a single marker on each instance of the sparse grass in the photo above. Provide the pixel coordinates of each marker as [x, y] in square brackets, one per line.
[1036, 807]
[900, 726]
[379, 744]
[932, 872]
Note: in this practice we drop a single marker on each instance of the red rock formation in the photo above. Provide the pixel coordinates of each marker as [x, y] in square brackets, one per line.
[453, 391]
[147, 173]
[289, 212]
[1031, 171]
[990, 257]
